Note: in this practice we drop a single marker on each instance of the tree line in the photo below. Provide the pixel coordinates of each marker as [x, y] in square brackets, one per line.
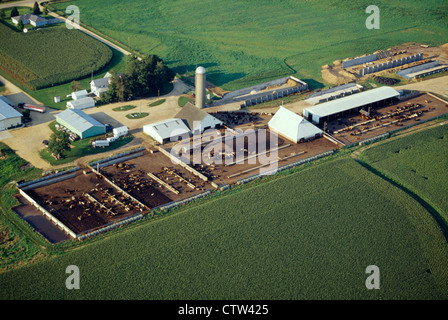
[141, 77]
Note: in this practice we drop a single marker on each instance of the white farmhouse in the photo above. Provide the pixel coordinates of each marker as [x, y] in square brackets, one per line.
[100, 86]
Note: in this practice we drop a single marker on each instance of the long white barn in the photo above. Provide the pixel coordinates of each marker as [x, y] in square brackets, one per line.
[332, 109]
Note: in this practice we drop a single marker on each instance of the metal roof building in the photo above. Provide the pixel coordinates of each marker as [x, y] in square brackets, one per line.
[292, 126]
[167, 130]
[327, 110]
[197, 119]
[82, 103]
[80, 123]
[9, 117]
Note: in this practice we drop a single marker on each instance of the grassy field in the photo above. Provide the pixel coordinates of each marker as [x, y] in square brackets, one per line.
[241, 43]
[16, 238]
[419, 162]
[306, 235]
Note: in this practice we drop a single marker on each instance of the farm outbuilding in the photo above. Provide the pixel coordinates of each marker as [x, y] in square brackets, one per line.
[79, 94]
[80, 123]
[167, 130]
[9, 117]
[82, 103]
[120, 131]
[327, 111]
[197, 119]
[293, 127]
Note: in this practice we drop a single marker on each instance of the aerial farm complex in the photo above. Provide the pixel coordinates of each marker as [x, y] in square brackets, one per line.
[201, 150]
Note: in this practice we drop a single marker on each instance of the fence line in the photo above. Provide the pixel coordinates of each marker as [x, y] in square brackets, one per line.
[47, 214]
[296, 163]
[28, 183]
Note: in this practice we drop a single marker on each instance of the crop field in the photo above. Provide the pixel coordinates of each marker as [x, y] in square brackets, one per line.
[419, 162]
[302, 235]
[51, 56]
[242, 43]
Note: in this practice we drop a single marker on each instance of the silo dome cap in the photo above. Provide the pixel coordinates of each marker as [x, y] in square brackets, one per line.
[200, 70]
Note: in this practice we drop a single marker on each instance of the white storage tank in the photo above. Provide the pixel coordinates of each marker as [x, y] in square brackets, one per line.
[200, 87]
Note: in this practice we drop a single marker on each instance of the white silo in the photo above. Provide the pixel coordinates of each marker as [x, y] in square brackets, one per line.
[200, 87]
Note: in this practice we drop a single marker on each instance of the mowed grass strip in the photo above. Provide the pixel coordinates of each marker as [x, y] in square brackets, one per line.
[306, 235]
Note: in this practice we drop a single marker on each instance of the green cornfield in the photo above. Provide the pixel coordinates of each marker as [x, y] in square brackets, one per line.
[419, 162]
[50, 56]
[303, 235]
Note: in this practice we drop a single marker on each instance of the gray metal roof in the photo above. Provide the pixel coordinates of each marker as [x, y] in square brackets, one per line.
[5, 99]
[101, 82]
[192, 115]
[353, 101]
[78, 119]
[7, 112]
[87, 101]
[292, 126]
[166, 128]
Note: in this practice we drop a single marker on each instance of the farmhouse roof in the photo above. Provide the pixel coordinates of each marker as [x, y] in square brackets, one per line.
[101, 82]
[36, 18]
[7, 112]
[78, 119]
[29, 17]
[353, 101]
[292, 126]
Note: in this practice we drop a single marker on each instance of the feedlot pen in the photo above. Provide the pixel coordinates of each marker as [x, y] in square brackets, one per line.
[129, 187]
[356, 128]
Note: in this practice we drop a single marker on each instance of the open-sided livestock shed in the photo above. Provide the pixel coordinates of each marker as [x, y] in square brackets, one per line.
[292, 126]
[336, 108]
[80, 123]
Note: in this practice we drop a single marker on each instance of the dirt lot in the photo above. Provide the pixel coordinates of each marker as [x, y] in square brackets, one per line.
[239, 158]
[130, 172]
[72, 202]
[423, 107]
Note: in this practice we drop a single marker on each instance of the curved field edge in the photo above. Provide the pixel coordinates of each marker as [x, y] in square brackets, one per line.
[51, 56]
[418, 162]
[306, 235]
